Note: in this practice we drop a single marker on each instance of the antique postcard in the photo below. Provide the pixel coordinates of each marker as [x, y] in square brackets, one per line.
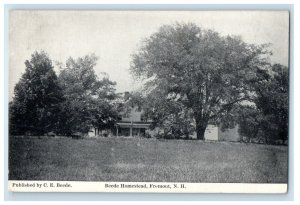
[148, 101]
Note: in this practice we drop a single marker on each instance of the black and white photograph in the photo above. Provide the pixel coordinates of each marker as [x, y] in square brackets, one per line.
[148, 101]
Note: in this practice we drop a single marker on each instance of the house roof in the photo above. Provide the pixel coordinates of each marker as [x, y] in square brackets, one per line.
[125, 124]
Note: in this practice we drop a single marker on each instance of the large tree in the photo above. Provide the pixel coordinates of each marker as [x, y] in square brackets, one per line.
[89, 101]
[36, 100]
[198, 68]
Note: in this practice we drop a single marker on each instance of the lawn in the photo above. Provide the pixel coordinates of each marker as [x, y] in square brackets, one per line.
[128, 159]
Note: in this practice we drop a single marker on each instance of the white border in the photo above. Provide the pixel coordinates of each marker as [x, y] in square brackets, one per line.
[214, 197]
[145, 187]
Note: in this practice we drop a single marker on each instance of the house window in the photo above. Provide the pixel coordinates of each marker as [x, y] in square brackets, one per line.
[126, 115]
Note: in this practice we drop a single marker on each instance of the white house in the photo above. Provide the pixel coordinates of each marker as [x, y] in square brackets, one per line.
[132, 124]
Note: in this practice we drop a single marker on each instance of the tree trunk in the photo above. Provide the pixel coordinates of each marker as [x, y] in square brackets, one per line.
[200, 133]
[200, 128]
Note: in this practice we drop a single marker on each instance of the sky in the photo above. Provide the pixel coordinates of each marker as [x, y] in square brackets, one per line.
[114, 36]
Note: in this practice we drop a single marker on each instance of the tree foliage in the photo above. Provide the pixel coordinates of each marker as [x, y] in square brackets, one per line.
[76, 101]
[89, 101]
[268, 119]
[168, 114]
[37, 98]
[204, 72]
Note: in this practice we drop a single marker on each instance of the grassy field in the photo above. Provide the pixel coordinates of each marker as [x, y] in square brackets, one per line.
[127, 159]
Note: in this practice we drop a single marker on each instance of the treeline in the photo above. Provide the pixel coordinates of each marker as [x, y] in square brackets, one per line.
[193, 77]
[74, 101]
